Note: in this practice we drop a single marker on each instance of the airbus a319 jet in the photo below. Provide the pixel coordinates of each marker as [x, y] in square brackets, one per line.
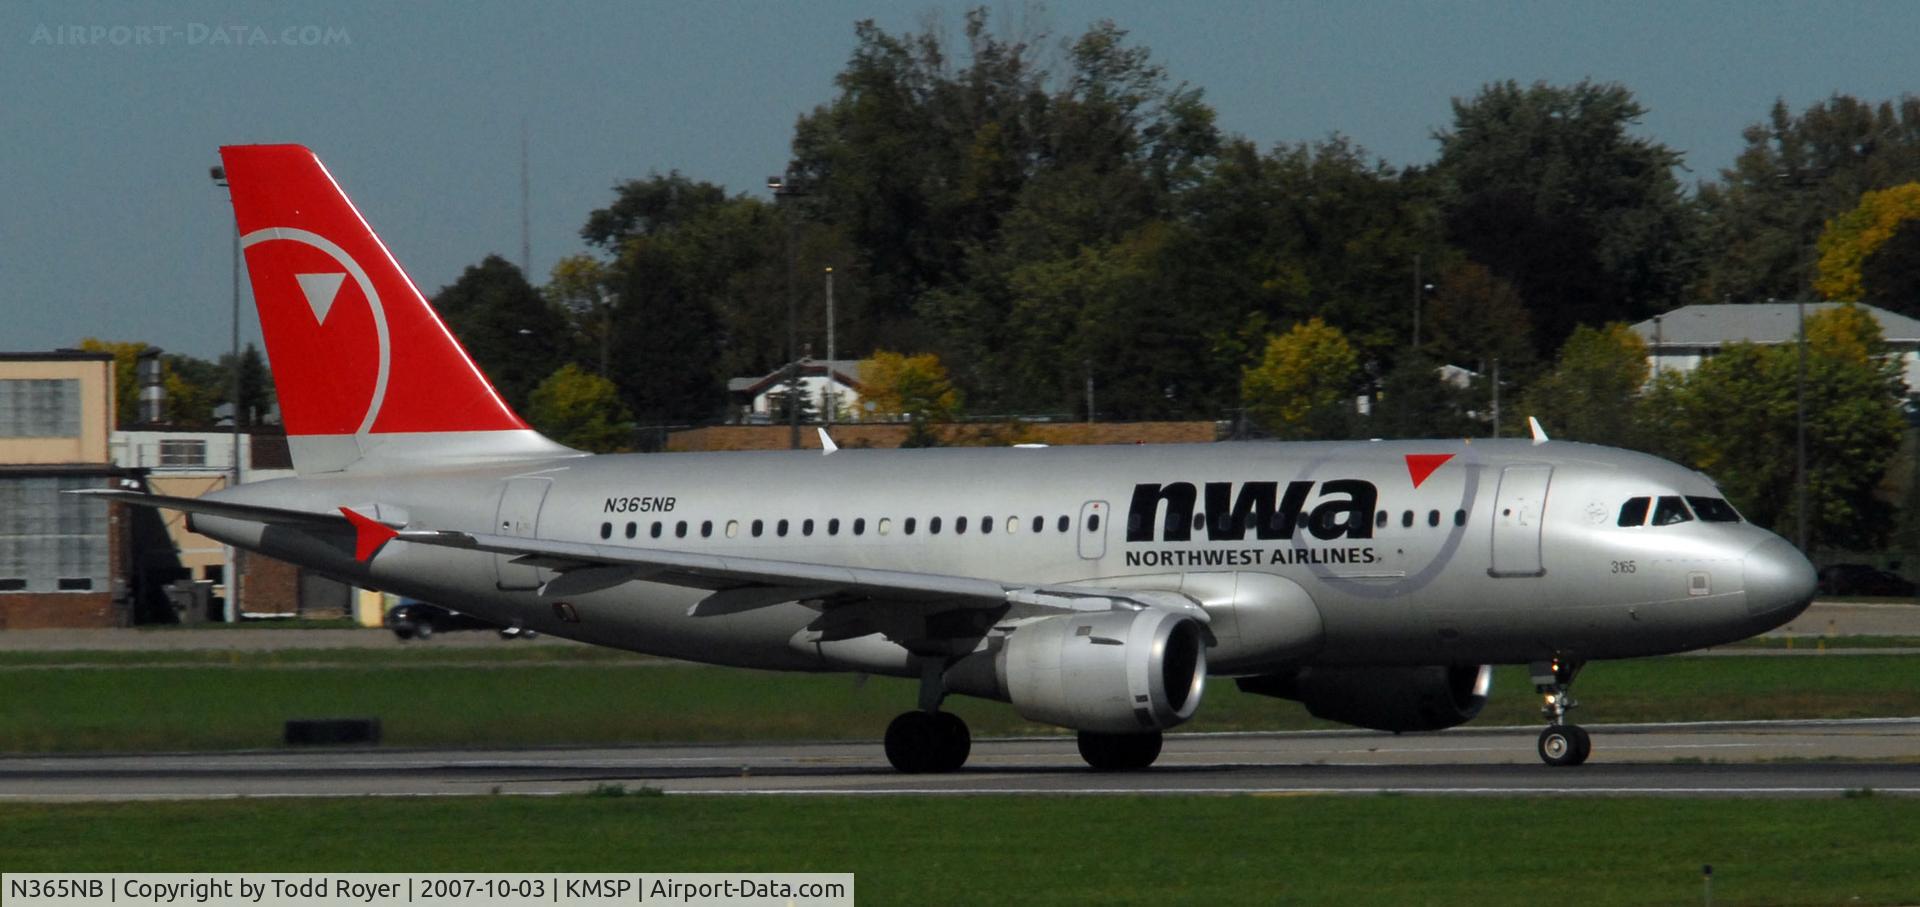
[1093, 588]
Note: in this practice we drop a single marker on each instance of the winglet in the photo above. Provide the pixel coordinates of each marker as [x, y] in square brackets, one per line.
[1539, 434]
[826, 443]
[368, 534]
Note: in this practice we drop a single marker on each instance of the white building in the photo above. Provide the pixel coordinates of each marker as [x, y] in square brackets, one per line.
[1683, 338]
[825, 383]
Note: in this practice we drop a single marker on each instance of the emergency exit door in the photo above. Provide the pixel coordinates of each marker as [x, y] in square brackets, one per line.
[1519, 509]
[518, 515]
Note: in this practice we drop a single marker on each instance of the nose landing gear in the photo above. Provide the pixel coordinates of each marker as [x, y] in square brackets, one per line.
[1561, 743]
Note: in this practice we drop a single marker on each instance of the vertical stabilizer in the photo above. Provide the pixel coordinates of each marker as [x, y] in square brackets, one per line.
[367, 375]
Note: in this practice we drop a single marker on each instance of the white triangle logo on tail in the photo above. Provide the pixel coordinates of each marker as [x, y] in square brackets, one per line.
[320, 290]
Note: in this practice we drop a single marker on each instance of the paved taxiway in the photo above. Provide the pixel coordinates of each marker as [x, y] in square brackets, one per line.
[1722, 759]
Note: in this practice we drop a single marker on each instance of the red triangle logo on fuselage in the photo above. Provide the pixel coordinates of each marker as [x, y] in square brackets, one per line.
[1420, 466]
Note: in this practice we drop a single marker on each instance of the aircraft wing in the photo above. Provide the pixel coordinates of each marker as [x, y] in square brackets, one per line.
[745, 583]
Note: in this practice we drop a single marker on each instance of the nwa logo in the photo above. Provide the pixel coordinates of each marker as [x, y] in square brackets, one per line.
[1341, 508]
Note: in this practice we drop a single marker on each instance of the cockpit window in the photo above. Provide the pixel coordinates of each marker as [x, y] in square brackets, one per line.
[1670, 510]
[1713, 510]
[1634, 511]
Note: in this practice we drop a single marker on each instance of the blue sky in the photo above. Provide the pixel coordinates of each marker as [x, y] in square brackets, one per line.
[110, 227]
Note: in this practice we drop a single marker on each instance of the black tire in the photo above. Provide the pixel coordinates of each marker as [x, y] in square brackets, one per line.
[404, 631]
[956, 742]
[1119, 752]
[1565, 745]
[912, 742]
[423, 631]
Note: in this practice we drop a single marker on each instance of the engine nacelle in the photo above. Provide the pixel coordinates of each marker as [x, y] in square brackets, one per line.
[1112, 671]
[1384, 699]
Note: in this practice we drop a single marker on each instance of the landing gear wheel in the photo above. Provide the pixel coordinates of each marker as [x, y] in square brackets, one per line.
[955, 742]
[1565, 744]
[1119, 752]
[922, 742]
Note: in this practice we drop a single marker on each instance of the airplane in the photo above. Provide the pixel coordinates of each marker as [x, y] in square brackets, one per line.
[1097, 589]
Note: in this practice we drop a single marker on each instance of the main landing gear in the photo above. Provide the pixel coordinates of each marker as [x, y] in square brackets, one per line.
[1561, 743]
[927, 740]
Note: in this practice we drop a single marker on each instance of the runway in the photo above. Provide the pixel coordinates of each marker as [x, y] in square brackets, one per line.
[1734, 759]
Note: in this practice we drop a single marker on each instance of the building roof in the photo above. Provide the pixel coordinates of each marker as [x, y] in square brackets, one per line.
[56, 356]
[1758, 322]
[848, 371]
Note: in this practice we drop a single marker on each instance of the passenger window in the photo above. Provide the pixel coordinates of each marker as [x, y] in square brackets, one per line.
[1199, 522]
[1093, 522]
[1013, 525]
[933, 525]
[1039, 524]
[1670, 510]
[758, 527]
[860, 526]
[1406, 519]
[606, 530]
[959, 525]
[806, 526]
[706, 529]
[1433, 518]
[833, 526]
[1380, 519]
[1459, 518]
[657, 527]
[1713, 510]
[986, 525]
[1063, 522]
[907, 526]
[733, 529]
[1634, 511]
[633, 529]
[780, 529]
[680, 529]
[885, 526]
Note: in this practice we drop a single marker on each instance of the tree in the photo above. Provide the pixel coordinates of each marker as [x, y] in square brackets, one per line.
[508, 327]
[1593, 391]
[1475, 318]
[581, 410]
[126, 375]
[580, 285]
[1796, 172]
[1415, 402]
[1734, 418]
[915, 387]
[1547, 187]
[1857, 237]
[1302, 388]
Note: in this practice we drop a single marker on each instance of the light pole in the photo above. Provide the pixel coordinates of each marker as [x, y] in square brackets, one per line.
[832, 398]
[783, 188]
[219, 175]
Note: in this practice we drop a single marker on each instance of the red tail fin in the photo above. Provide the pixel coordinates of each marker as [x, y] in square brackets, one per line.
[358, 355]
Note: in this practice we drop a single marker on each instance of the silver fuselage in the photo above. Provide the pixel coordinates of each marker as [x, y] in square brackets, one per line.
[1506, 552]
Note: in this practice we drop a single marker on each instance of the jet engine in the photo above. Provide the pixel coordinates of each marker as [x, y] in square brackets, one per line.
[1112, 671]
[1385, 699]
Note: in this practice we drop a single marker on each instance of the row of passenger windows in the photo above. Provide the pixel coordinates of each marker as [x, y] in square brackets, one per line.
[1672, 508]
[858, 526]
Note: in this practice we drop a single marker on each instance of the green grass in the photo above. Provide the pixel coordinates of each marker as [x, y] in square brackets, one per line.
[1047, 850]
[521, 697]
[1812, 643]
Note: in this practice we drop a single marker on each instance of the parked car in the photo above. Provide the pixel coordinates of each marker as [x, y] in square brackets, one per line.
[1860, 579]
[413, 619]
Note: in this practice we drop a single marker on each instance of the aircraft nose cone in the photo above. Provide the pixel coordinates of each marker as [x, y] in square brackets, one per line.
[1780, 580]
